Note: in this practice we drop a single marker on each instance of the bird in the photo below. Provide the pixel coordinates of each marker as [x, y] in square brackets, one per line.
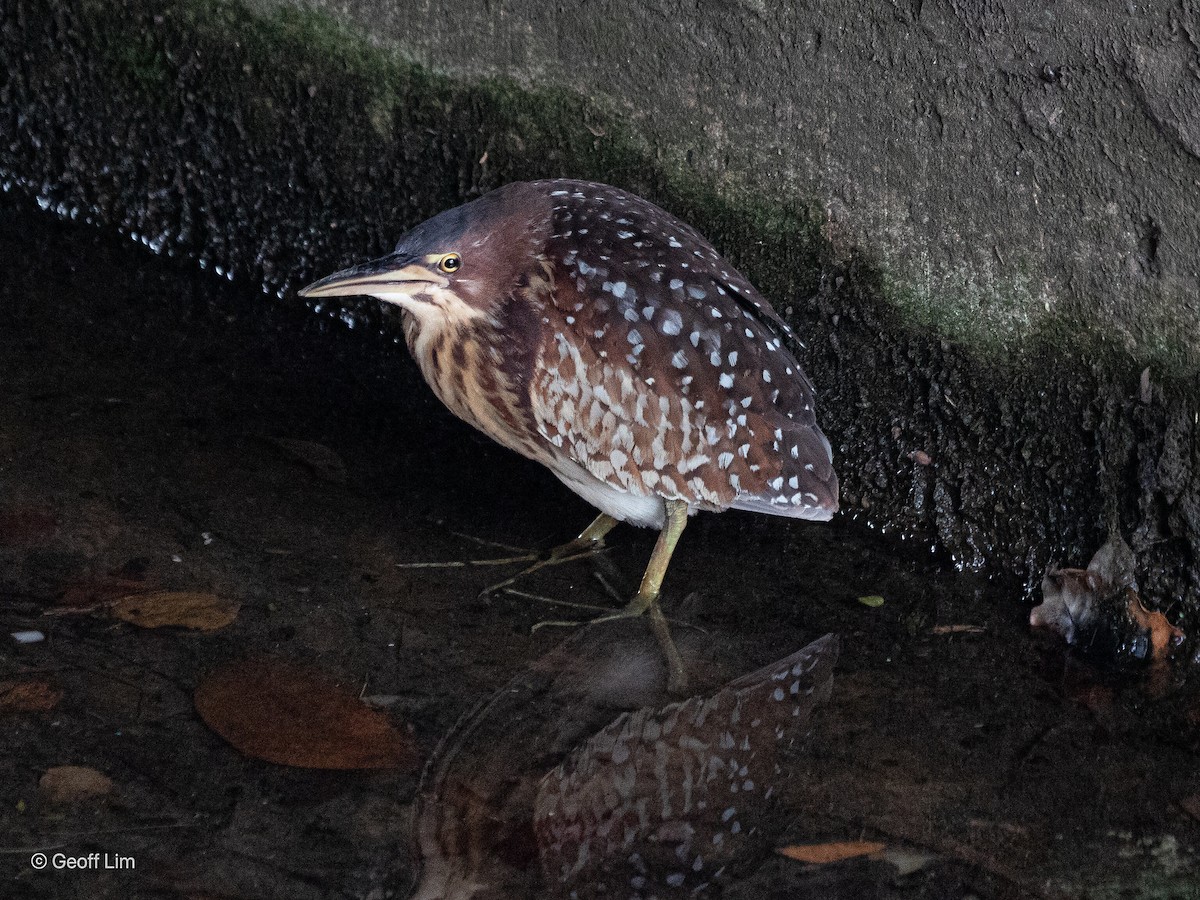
[664, 801]
[581, 777]
[593, 332]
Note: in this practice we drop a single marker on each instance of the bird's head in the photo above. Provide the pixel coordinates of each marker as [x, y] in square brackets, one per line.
[459, 263]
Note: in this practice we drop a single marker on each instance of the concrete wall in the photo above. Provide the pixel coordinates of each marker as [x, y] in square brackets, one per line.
[1017, 169]
[981, 215]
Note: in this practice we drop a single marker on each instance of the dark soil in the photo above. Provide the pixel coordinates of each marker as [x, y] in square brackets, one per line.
[138, 402]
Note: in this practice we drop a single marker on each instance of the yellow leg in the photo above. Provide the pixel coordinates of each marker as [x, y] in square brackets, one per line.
[589, 541]
[648, 591]
[595, 533]
[646, 599]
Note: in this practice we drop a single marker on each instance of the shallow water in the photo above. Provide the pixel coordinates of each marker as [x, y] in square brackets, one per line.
[139, 402]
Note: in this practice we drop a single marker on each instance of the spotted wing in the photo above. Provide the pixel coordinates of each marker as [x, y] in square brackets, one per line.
[663, 800]
[664, 372]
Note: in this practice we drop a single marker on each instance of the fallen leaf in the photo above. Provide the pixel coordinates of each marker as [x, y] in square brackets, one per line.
[323, 462]
[73, 784]
[1163, 635]
[872, 600]
[920, 457]
[823, 854]
[1069, 602]
[959, 629]
[28, 696]
[182, 609]
[294, 716]
[1115, 564]
[1075, 601]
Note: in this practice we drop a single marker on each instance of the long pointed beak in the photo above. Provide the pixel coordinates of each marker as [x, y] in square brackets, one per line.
[394, 274]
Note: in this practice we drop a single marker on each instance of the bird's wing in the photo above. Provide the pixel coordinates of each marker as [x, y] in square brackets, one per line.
[662, 371]
[690, 781]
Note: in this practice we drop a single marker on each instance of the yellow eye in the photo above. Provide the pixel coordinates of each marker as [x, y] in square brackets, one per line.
[451, 262]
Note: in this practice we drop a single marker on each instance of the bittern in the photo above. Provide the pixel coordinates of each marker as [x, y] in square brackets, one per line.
[589, 330]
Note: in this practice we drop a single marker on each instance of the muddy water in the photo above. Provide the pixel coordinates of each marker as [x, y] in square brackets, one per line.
[139, 402]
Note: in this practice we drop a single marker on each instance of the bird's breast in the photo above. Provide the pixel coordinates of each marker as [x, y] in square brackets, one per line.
[464, 364]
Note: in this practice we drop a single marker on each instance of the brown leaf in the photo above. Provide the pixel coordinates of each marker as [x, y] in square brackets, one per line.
[28, 696]
[959, 629]
[1163, 635]
[323, 462]
[836, 851]
[73, 784]
[1069, 600]
[183, 609]
[293, 716]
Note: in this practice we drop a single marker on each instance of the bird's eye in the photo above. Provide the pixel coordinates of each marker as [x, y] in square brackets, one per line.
[451, 262]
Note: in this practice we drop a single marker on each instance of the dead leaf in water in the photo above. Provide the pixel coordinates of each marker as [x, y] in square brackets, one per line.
[293, 716]
[181, 609]
[959, 629]
[73, 784]
[836, 851]
[1163, 635]
[323, 462]
[28, 696]
[1068, 602]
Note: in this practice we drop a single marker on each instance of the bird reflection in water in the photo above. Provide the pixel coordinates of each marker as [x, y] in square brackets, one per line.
[578, 779]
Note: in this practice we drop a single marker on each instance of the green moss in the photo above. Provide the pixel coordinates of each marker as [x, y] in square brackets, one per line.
[287, 67]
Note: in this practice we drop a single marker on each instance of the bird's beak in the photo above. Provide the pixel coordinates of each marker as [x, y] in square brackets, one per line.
[398, 273]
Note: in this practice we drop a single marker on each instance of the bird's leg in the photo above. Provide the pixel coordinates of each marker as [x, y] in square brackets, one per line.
[589, 541]
[648, 590]
[646, 599]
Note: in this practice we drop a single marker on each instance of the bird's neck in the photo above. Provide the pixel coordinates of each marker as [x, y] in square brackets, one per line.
[470, 364]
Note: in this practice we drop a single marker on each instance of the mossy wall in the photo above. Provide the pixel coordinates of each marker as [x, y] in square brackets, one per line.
[994, 407]
[1018, 170]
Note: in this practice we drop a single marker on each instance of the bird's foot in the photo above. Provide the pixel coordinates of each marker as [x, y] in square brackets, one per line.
[564, 553]
[589, 543]
[466, 563]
